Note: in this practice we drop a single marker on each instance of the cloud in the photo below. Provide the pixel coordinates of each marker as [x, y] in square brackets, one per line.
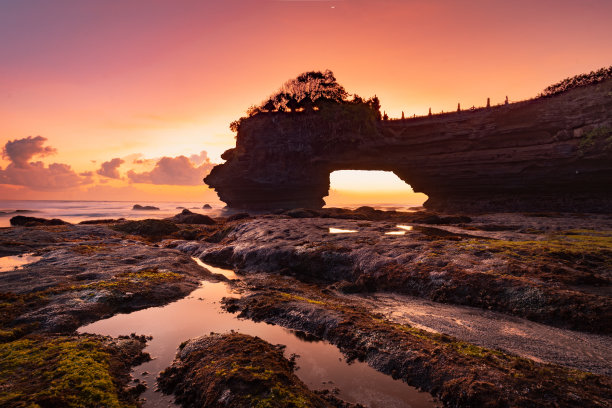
[178, 171]
[110, 168]
[35, 175]
[198, 159]
[20, 151]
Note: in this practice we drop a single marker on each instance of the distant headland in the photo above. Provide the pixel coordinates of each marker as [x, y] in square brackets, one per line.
[553, 152]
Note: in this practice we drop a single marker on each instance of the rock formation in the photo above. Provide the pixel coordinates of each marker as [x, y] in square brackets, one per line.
[549, 153]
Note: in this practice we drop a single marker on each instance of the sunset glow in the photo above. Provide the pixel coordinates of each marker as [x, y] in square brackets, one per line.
[139, 81]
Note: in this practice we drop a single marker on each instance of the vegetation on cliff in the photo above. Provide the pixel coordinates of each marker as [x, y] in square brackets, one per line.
[308, 92]
[577, 81]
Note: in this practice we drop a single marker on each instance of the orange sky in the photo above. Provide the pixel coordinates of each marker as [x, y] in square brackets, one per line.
[147, 79]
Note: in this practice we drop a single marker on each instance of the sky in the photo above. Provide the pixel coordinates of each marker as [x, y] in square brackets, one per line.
[126, 100]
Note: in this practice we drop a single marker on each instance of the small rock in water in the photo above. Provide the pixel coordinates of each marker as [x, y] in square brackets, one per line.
[144, 207]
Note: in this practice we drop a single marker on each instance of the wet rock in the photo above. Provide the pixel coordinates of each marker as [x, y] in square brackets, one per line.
[188, 217]
[81, 371]
[458, 373]
[95, 274]
[23, 221]
[139, 207]
[235, 370]
[188, 234]
[238, 216]
[301, 213]
[148, 227]
[102, 221]
[559, 280]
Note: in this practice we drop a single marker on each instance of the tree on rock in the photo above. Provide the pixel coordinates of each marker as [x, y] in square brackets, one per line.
[311, 85]
[269, 106]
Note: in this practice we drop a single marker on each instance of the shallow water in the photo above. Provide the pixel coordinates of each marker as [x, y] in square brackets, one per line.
[10, 263]
[340, 231]
[321, 365]
[228, 273]
[486, 328]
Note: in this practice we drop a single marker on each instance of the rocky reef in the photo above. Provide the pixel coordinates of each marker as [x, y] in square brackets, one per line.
[237, 370]
[549, 153]
[482, 311]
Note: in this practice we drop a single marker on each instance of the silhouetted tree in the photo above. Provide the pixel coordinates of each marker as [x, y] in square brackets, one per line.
[357, 99]
[385, 116]
[312, 84]
[429, 111]
[403, 115]
[488, 102]
[269, 106]
[316, 89]
[253, 110]
[293, 104]
[593, 77]
[306, 104]
[374, 104]
[235, 125]
[458, 107]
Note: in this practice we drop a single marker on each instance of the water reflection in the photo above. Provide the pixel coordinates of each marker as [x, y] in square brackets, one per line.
[10, 263]
[340, 231]
[405, 227]
[321, 365]
[228, 273]
[395, 233]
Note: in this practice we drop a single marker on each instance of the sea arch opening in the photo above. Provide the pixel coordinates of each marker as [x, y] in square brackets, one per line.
[375, 188]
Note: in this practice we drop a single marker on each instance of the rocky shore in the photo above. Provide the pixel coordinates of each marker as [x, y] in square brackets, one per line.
[368, 281]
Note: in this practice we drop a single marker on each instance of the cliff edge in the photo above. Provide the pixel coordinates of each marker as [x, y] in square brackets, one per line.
[549, 153]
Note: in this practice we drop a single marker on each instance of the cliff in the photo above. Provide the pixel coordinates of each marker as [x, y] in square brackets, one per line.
[552, 153]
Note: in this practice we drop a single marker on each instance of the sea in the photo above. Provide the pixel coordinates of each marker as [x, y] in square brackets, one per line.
[77, 211]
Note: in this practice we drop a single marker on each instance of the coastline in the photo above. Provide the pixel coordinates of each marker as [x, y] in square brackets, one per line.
[294, 271]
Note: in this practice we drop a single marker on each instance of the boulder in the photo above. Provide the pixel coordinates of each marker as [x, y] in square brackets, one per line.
[188, 217]
[23, 221]
[148, 227]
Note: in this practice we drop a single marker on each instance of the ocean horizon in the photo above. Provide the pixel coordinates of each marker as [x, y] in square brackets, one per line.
[75, 211]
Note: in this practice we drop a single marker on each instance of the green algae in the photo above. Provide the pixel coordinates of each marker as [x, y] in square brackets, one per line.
[63, 371]
[130, 280]
[280, 396]
[290, 296]
[599, 137]
[563, 246]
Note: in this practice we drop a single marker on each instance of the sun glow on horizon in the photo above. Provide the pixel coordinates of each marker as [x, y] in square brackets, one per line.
[349, 187]
[104, 81]
[375, 181]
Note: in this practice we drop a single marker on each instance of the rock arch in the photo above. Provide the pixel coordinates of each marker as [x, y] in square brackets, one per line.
[552, 153]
